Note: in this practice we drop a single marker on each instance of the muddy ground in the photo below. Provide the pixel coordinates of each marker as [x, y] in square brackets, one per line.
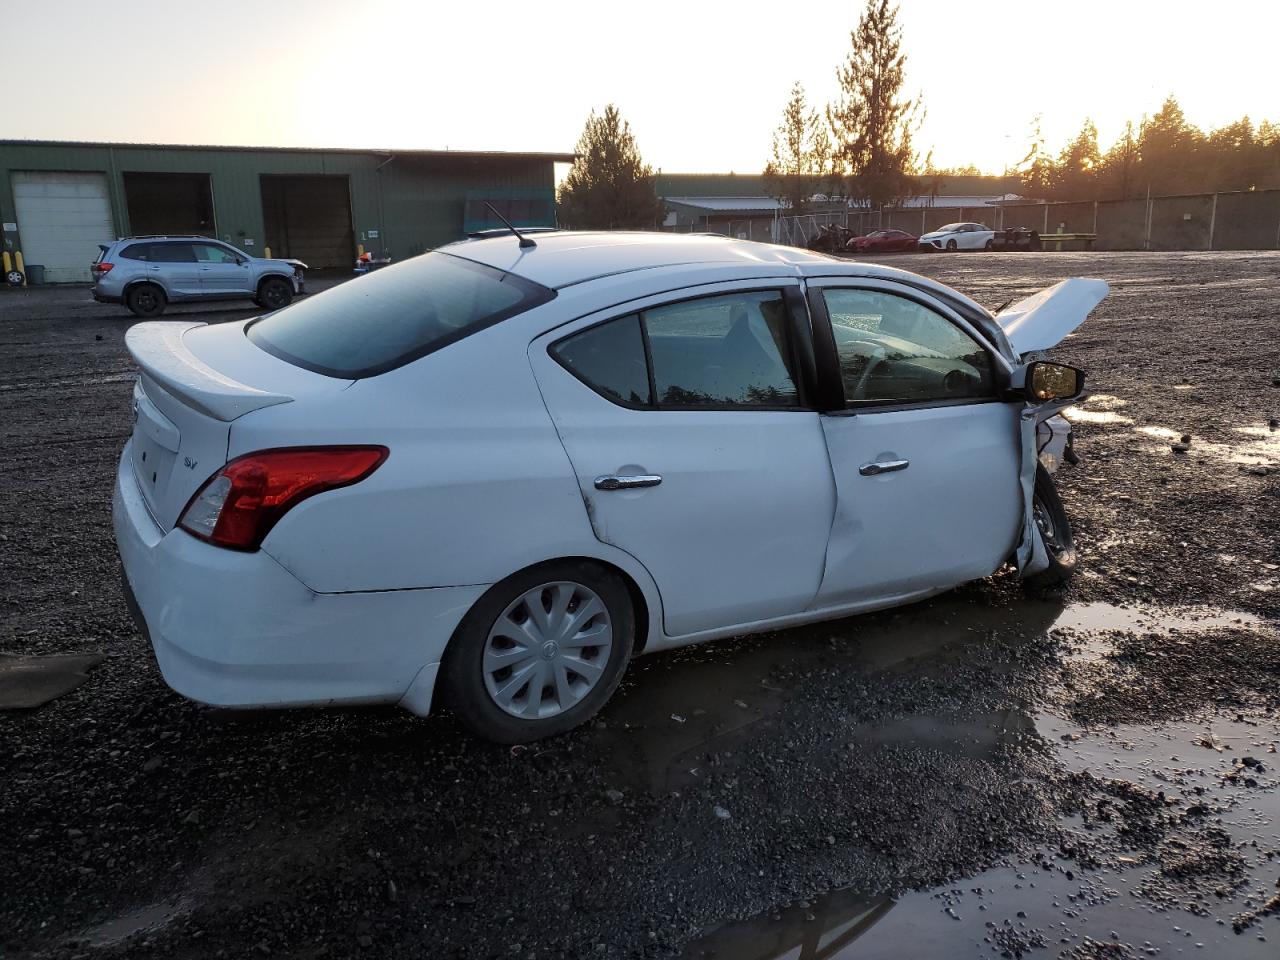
[1093, 775]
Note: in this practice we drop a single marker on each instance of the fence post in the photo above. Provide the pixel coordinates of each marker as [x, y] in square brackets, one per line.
[1095, 221]
[1046, 219]
[1213, 219]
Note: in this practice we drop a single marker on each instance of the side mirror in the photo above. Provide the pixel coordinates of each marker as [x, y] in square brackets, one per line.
[1041, 381]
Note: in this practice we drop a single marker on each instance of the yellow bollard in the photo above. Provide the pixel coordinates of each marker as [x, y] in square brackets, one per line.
[359, 250]
[20, 266]
[266, 252]
[8, 265]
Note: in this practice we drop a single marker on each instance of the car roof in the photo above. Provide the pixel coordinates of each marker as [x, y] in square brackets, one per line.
[167, 237]
[567, 257]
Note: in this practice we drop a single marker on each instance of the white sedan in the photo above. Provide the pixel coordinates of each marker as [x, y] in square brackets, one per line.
[498, 471]
[959, 236]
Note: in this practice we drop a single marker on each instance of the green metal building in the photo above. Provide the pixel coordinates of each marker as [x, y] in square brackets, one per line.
[59, 200]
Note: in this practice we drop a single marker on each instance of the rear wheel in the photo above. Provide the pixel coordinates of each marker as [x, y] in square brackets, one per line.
[1055, 530]
[146, 300]
[541, 652]
[274, 293]
[989, 245]
[951, 246]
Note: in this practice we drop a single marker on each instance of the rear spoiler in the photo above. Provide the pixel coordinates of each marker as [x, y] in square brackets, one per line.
[1043, 319]
[158, 349]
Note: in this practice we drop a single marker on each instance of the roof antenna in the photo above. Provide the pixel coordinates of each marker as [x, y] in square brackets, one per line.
[524, 241]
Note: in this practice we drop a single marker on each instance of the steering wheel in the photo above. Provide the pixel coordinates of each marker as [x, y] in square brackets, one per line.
[875, 360]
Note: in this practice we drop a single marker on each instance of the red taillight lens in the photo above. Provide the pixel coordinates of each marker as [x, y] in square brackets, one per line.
[102, 267]
[239, 504]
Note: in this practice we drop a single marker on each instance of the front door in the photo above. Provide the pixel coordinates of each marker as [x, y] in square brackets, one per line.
[223, 272]
[686, 424]
[925, 455]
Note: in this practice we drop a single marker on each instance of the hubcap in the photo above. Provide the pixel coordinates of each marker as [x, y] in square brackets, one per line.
[547, 650]
[1045, 524]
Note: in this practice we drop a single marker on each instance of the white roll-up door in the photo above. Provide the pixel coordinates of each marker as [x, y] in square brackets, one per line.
[62, 217]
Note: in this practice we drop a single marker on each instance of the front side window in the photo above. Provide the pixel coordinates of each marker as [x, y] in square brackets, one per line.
[724, 352]
[395, 315]
[212, 253]
[895, 350]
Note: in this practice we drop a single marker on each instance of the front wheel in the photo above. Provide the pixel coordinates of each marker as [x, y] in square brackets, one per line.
[540, 653]
[274, 293]
[952, 246]
[1055, 530]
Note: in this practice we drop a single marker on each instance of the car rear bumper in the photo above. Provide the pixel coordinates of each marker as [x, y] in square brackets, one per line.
[238, 630]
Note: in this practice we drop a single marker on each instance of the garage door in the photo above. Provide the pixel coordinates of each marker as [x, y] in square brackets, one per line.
[62, 217]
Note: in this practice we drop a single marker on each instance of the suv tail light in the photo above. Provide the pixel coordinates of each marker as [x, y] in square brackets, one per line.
[101, 268]
[239, 504]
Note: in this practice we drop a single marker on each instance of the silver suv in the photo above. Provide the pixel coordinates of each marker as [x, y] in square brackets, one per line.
[146, 273]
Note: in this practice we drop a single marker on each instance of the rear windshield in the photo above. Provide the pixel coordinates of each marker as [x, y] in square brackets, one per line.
[394, 315]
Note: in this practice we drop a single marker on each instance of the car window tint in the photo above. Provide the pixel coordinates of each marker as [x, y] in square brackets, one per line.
[136, 251]
[172, 253]
[394, 315]
[722, 351]
[895, 350]
[609, 359]
[212, 253]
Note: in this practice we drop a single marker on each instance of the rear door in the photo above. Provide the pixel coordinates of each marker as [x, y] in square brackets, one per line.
[924, 453]
[223, 272]
[687, 423]
[176, 267]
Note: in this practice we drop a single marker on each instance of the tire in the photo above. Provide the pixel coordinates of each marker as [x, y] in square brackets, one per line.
[485, 692]
[274, 293]
[951, 246]
[1055, 529]
[146, 300]
[989, 245]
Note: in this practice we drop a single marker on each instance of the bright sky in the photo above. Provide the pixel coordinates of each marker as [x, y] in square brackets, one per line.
[703, 83]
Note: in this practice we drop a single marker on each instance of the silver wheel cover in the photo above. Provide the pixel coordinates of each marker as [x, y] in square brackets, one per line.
[547, 650]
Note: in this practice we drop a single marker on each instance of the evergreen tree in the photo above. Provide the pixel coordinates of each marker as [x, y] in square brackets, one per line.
[872, 125]
[801, 155]
[610, 187]
[1075, 174]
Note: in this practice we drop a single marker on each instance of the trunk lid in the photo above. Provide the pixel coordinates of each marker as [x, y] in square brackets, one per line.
[195, 381]
[1043, 319]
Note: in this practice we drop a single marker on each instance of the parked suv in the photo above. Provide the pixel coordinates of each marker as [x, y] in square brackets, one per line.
[146, 273]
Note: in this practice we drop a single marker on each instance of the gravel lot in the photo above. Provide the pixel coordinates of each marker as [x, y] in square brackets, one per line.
[1093, 775]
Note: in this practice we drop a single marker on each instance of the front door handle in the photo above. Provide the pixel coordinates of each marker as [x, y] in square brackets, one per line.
[884, 466]
[611, 482]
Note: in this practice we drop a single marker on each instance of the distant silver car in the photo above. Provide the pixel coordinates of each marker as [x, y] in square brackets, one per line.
[147, 273]
[959, 236]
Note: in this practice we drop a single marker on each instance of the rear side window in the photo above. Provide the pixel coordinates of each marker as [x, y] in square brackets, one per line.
[135, 251]
[172, 253]
[395, 315]
[725, 352]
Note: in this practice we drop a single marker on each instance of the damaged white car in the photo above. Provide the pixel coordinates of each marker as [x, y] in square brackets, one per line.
[492, 474]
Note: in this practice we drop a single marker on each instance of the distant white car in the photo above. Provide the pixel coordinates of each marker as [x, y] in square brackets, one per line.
[502, 470]
[959, 236]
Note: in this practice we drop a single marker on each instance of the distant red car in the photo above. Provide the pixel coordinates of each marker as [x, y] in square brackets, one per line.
[883, 241]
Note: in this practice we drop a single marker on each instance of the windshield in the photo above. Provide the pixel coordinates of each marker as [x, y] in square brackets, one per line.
[950, 228]
[394, 316]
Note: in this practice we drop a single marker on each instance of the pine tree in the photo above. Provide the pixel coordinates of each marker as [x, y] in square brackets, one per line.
[801, 155]
[610, 187]
[871, 124]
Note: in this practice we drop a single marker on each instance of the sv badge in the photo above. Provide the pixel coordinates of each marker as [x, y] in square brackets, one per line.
[189, 463]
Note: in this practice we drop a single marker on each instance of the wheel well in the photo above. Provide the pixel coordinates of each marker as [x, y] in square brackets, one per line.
[142, 282]
[272, 276]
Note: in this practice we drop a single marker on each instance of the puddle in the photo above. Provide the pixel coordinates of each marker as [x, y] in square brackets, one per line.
[1127, 905]
[1077, 415]
[144, 920]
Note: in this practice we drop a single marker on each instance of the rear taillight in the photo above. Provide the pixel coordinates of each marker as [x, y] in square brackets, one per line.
[101, 268]
[239, 504]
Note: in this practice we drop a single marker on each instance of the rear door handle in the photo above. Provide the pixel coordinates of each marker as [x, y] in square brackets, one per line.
[611, 482]
[884, 466]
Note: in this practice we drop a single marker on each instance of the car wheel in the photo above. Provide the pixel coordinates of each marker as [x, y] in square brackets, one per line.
[1055, 530]
[989, 245]
[146, 300]
[274, 293]
[951, 246]
[539, 653]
